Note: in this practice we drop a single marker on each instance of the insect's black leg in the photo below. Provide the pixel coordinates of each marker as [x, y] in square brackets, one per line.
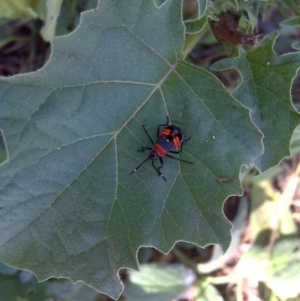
[157, 169]
[161, 163]
[177, 152]
[143, 148]
[136, 169]
[178, 159]
[148, 135]
[160, 125]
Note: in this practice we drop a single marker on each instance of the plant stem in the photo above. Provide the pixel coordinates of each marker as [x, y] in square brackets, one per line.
[192, 40]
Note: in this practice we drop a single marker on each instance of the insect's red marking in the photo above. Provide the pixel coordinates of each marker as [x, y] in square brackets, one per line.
[165, 131]
[176, 140]
[157, 148]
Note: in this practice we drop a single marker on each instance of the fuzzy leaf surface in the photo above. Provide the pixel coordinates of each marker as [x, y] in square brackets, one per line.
[68, 207]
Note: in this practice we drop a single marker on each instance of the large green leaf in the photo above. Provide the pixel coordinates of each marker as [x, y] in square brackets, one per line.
[265, 89]
[68, 206]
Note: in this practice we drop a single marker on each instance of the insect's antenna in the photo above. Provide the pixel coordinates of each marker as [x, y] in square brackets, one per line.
[136, 169]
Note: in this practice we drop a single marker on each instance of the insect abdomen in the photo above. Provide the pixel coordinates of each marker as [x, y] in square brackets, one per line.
[157, 148]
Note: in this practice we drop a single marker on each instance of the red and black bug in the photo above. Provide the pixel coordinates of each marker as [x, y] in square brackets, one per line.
[169, 138]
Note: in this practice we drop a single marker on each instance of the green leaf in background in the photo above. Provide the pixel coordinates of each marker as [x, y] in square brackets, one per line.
[293, 4]
[195, 26]
[226, 5]
[264, 205]
[68, 207]
[293, 22]
[248, 21]
[16, 287]
[265, 89]
[18, 9]
[202, 6]
[295, 141]
[279, 267]
[206, 291]
[158, 282]
[284, 269]
[270, 209]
